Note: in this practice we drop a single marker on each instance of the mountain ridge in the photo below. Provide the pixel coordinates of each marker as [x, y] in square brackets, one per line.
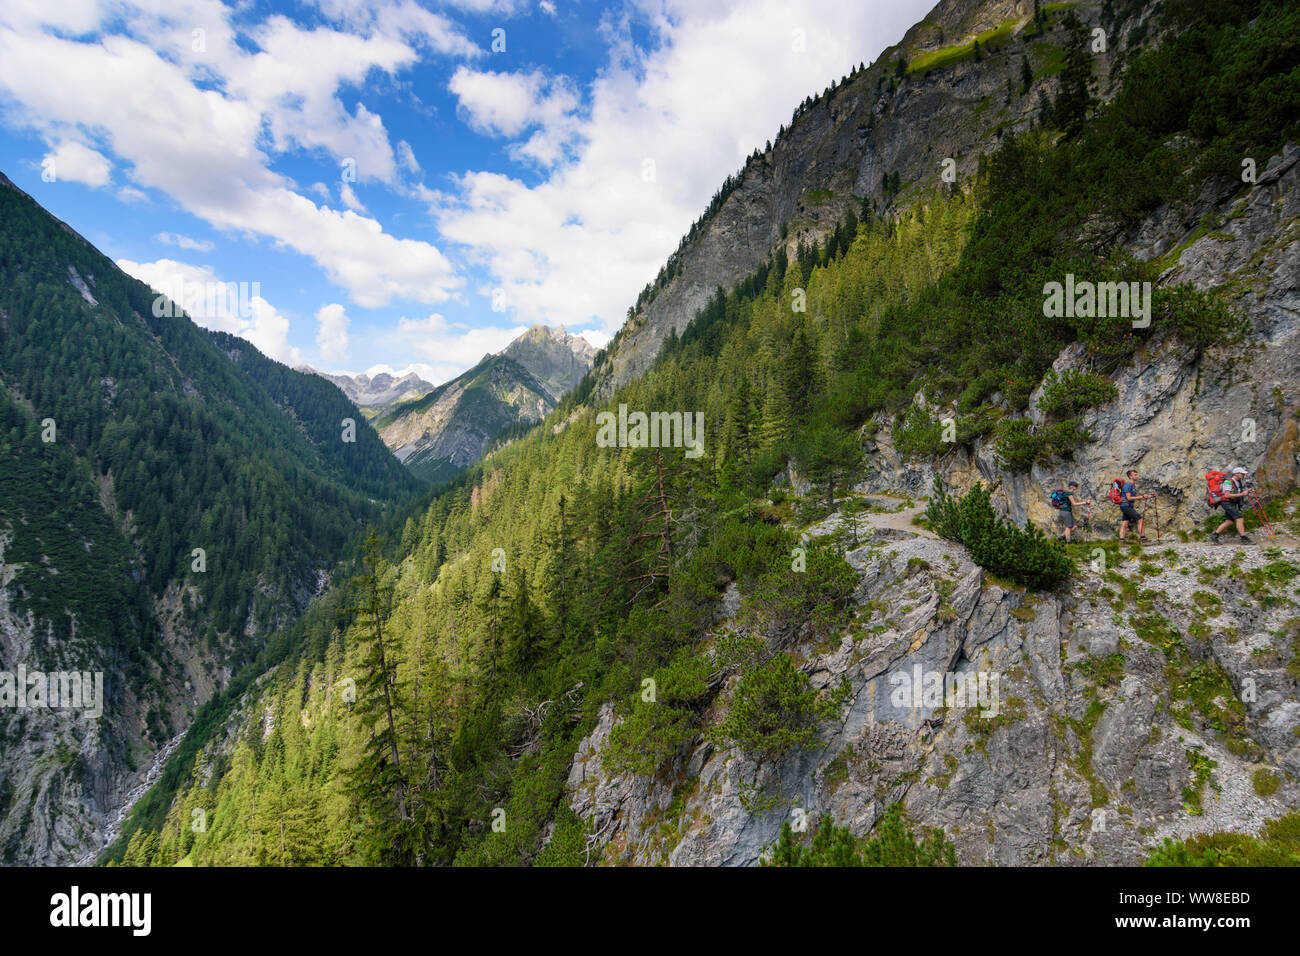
[448, 428]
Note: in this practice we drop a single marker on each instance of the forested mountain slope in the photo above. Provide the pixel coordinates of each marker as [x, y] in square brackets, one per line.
[963, 79]
[584, 652]
[170, 498]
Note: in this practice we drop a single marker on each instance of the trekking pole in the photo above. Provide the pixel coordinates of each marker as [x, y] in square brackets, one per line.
[1154, 504]
[1253, 495]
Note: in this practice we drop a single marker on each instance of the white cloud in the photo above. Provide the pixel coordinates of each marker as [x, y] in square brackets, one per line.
[234, 307]
[332, 336]
[449, 347]
[202, 126]
[507, 104]
[504, 104]
[578, 247]
[547, 8]
[79, 164]
[406, 157]
[184, 242]
[350, 199]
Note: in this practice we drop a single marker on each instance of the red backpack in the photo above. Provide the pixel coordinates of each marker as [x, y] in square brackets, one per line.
[1117, 491]
[1214, 486]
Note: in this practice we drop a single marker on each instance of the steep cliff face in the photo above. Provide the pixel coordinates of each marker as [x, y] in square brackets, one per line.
[836, 153]
[450, 428]
[1156, 695]
[1177, 416]
[1142, 703]
[1086, 729]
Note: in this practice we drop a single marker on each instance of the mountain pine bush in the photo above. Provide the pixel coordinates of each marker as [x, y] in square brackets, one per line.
[1024, 555]
[892, 844]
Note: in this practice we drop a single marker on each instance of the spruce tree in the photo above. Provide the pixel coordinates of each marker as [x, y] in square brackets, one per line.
[1074, 99]
[384, 794]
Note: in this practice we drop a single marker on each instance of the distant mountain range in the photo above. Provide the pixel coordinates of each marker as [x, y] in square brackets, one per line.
[374, 395]
[440, 433]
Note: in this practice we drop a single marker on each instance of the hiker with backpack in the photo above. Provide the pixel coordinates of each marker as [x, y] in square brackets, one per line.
[1065, 501]
[1227, 495]
[1124, 493]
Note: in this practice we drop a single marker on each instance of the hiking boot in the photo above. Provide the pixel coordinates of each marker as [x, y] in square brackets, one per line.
[1244, 540]
[1215, 537]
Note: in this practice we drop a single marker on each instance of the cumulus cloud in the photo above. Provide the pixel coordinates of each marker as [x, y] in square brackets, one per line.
[332, 334]
[507, 104]
[659, 130]
[449, 347]
[234, 307]
[77, 163]
[200, 116]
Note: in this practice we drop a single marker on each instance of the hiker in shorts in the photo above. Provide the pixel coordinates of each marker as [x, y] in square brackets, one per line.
[1067, 509]
[1234, 489]
[1128, 513]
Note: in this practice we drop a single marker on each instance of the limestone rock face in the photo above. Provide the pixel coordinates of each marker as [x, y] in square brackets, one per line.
[1073, 745]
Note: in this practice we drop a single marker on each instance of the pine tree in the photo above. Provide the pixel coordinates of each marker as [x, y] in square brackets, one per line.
[827, 456]
[802, 375]
[741, 427]
[379, 778]
[1074, 99]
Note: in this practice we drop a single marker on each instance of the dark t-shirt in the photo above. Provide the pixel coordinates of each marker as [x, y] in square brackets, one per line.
[1128, 489]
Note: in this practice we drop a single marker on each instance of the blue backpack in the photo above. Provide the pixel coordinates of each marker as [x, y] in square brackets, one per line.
[1060, 498]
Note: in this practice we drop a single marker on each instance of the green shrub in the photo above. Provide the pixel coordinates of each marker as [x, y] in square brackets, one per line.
[787, 602]
[1266, 782]
[892, 844]
[1024, 555]
[1065, 396]
[775, 710]
[918, 437]
[1277, 845]
[646, 738]
[1200, 318]
[1018, 448]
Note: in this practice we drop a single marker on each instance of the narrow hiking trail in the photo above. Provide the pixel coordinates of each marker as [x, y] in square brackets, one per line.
[1094, 528]
[897, 520]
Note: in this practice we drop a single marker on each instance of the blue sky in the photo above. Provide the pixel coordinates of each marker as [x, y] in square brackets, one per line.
[396, 185]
